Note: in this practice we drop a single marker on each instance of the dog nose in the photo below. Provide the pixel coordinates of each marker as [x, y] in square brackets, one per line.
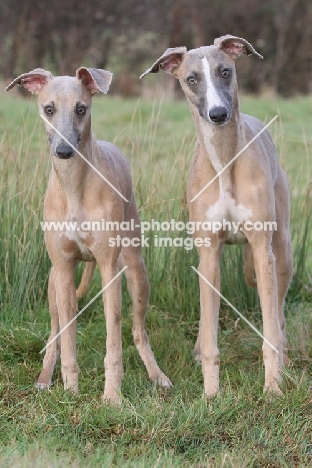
[218, 114]
[64, 151]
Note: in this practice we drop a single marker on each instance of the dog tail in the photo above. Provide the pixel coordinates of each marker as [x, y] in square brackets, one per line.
[86, 279]
[249, 269]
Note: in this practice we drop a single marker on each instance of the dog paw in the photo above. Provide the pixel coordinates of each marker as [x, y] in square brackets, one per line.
[197, 356]
[163, 381]
[42, 386]
[272, 389]
[111, 398]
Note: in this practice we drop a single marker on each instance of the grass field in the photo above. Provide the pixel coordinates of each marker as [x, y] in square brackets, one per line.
[241, 427]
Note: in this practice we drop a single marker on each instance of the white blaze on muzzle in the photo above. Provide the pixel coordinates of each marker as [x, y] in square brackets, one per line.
[213, 99]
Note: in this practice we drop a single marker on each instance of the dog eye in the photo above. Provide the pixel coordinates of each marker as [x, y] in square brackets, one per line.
[191, 80]
[81, 110]
[49, 110]
[225, 73]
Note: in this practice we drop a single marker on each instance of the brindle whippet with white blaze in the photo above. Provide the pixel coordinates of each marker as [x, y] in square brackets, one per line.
[77, 193]
[253, 188]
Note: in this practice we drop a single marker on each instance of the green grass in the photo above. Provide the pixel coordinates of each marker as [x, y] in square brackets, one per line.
[241, 427]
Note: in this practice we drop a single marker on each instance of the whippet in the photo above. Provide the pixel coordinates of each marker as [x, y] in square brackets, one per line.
[252, 188]
[77, 193]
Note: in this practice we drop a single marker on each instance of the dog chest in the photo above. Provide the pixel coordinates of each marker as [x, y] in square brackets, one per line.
[227, 218]
[77, 243]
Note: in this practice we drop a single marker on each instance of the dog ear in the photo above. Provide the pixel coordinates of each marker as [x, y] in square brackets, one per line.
[95, 79]
[168, 62]
[33, 81]
[235, 46]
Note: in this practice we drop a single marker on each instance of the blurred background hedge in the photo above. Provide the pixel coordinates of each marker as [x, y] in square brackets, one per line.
[126, 36]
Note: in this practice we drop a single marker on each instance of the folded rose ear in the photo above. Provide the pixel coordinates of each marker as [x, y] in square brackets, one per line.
[33, 81]
[235, 46]
[168, 62]
[95, 79]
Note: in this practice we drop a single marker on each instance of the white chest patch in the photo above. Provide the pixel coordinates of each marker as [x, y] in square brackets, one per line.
[209, 146]
[78, 237]
[226, 208]
[75, 235]
[229, 217]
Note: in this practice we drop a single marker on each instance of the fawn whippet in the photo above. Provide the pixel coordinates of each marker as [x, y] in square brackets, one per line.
[252, 188]
[77, 193]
